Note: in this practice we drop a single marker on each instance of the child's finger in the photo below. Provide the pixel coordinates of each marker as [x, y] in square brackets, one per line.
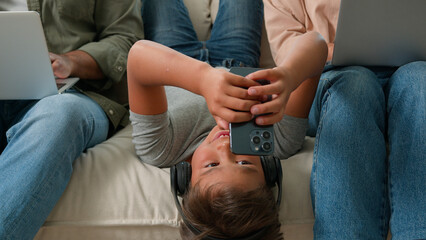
[240, 93]
[269, 119]
[243, 82]
[268, 107]
[234, 116]
[221, 123]
[267, 74]
[238, 104]
[269, 89]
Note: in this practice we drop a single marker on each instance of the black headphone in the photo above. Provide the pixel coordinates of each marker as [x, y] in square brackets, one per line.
[180, 178]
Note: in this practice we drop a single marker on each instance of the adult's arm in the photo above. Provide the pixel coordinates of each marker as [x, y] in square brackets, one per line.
[118, 26]
[286, 20]
[75, 63]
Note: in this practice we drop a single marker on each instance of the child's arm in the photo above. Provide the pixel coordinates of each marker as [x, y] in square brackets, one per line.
[152, 66]
[293, 82]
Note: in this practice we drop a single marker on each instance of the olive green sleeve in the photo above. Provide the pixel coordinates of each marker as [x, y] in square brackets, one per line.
[119, 26]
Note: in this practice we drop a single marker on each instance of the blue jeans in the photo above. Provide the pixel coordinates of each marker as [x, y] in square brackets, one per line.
[43, 139]
[369, 170]
[235, 36]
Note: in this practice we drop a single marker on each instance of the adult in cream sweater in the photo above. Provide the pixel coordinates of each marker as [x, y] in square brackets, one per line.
[359, 189]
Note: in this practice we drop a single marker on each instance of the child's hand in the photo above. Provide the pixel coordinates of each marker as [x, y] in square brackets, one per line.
[227, 97]
[282, 83]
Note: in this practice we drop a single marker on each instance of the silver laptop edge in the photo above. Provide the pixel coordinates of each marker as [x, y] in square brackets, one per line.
[380, 33]
[25, 68]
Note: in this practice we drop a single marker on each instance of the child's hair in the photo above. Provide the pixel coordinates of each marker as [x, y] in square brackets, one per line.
[229, 212]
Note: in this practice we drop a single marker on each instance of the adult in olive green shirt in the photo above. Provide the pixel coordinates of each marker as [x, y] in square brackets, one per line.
[39, 141]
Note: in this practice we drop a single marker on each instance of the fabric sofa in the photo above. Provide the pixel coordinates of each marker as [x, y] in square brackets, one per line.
[112, 195]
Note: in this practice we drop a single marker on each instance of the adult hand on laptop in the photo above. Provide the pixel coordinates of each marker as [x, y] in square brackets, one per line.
[76, 64]
[61, 65]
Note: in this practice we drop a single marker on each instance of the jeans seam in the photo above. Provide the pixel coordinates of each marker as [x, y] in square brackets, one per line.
[318, 138]
[383, 212]
[389, 195]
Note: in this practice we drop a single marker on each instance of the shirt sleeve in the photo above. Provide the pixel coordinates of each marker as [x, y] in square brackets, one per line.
[119, 26]
[290, 135]
[166, 139]
[153, 138]
[284, 22]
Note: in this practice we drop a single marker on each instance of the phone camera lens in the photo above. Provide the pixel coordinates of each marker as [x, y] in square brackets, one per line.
[256, 140]
[266, 135]
[266, 146]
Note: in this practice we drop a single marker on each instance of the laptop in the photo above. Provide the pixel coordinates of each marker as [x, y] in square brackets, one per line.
[380, 32]
[25, 68]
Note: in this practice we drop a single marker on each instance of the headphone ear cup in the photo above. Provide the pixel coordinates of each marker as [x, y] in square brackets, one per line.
[279, 170]
[183, 173]
[173, 179]
[271, 169]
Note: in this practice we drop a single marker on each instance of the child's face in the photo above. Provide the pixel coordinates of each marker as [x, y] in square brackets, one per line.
[214, 163]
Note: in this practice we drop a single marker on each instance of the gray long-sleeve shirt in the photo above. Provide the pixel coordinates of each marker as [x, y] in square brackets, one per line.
[171, 137]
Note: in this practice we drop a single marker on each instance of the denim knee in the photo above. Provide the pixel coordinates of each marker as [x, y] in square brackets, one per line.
[357, 88]
[418, 66]
[409, 82]
[236, 33]
[168, 22]
[59, 113]
[63, 110]
[353, 91]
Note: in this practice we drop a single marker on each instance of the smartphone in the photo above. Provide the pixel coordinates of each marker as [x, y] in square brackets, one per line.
[248, 138]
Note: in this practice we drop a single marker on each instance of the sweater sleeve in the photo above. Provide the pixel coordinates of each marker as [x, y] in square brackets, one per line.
[283, 24]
